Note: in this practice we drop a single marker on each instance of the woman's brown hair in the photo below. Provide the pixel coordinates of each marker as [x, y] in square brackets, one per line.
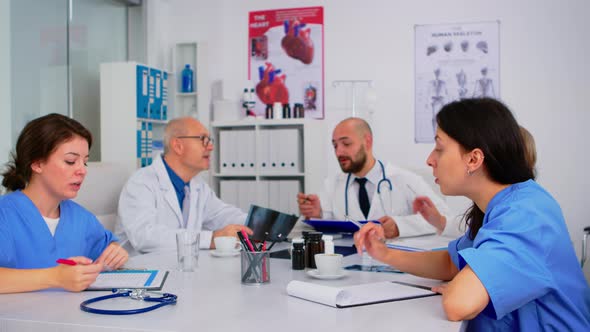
[36, 142]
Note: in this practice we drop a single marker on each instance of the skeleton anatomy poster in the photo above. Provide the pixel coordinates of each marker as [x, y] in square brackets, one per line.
[286, 58]
[453, 61]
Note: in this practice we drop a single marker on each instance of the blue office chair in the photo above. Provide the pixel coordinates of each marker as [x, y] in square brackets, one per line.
[586, 233]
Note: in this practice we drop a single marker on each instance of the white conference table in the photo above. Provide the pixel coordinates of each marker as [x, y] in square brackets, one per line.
[213, 299]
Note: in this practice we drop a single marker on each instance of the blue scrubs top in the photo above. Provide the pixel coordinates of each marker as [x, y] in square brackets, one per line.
[27, 243]
[524, 258]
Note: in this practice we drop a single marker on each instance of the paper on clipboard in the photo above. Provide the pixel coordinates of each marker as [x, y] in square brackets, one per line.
[135, 279]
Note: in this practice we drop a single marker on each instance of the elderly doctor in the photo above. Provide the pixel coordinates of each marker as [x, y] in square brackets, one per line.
[388, 192]
[167, 196]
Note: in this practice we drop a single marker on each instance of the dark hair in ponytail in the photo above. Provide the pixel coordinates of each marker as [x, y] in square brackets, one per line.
[489, 125]
[36, 142]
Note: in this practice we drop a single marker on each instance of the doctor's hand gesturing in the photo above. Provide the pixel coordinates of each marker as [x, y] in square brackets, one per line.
[426, 208]
[76, 278]
[390, 229]
[309, 206]
[113, 257]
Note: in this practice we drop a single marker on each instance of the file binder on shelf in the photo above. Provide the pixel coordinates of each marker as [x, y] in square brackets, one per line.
[273, 157]
[133, 109]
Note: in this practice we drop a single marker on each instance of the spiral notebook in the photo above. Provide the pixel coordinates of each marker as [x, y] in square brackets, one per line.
[133, 279]
[357, 295]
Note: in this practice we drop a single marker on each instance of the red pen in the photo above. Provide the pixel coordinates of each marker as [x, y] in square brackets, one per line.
[250, 246]
[66, 261]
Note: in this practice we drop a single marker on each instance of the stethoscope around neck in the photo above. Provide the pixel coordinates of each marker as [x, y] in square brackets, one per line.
[384, 179]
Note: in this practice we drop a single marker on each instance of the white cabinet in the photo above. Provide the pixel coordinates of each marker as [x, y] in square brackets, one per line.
[267, 162]
[191, 53]
[133, 112]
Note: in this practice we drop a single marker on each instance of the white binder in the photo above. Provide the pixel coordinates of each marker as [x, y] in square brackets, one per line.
[264, 151]
[224, 146]
[228, 191]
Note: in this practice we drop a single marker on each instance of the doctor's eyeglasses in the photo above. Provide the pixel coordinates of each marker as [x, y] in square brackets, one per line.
[206, 140]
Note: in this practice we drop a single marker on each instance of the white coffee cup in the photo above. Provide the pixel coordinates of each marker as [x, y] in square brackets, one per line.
[225, 243]
[329, 264]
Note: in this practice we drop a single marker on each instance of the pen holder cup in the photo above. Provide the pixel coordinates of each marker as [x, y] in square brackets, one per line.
[255, 267]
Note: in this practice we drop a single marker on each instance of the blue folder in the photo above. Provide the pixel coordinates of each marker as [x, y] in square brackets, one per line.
[333, 226]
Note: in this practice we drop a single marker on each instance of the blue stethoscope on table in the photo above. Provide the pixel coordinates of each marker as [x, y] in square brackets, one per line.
[383, 180]
[136, 294]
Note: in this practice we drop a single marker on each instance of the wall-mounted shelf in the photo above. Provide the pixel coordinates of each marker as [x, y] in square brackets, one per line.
[267, 162]
[191, 53]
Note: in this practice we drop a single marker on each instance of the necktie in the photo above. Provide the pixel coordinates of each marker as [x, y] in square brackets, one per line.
[186, 205]
[363, 196]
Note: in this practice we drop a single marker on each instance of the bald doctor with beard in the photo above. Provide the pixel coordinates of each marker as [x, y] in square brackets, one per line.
[390, 190]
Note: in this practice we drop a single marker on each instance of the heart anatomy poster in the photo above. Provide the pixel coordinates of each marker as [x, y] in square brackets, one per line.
[453, 62]
[286, 58]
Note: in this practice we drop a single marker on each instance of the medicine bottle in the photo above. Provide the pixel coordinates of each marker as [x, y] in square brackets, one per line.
[286, 111]
[328, 244]
[314, 246]
[268, 112]
[277, 110]
[187, 79]
[298, 255]
[245, 99]
[305, 235]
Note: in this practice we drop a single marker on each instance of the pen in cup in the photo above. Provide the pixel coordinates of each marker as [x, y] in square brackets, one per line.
[247, 240]
[275, 241]
[249, 252]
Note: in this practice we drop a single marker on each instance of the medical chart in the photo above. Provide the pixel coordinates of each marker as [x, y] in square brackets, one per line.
[453, 62]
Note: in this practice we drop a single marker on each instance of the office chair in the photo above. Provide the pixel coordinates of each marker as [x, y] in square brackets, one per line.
[586, 233]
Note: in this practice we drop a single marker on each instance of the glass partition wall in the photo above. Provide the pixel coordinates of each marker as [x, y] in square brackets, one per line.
[56, 47]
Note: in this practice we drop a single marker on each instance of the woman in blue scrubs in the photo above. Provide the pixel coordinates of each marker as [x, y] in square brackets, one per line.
[515, 268]
[39, 223]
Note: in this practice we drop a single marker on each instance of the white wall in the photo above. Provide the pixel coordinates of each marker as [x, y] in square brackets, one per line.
[5, 92]
[543, 65]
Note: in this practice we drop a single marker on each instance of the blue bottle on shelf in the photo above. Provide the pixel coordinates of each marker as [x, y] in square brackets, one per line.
[187, 79]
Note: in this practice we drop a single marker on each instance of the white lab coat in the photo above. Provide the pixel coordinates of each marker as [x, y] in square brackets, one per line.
[150, 215]
[399, 206]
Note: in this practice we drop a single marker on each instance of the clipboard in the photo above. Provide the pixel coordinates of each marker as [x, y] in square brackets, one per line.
[152, 280]
[334, 226]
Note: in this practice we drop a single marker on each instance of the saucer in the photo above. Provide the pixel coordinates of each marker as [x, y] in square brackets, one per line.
[225, 253]
[317, 275]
